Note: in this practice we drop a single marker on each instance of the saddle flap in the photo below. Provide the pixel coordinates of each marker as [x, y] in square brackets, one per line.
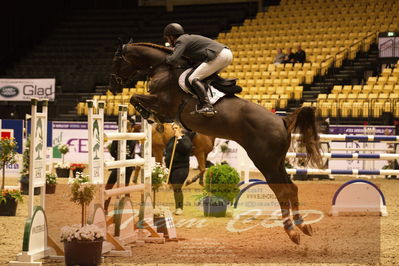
[216, 79]
[227, 86]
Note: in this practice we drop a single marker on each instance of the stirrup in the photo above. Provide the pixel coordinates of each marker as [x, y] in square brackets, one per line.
[205, 111]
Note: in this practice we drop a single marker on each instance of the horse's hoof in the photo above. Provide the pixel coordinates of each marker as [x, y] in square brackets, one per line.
[189, 182]
[306, 229]
[294, 236]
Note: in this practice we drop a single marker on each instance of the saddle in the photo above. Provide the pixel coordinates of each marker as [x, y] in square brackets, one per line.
[227, 86]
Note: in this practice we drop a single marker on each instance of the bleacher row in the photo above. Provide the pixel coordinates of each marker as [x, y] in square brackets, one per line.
[329, 32]
[112, 101]
[380, 94]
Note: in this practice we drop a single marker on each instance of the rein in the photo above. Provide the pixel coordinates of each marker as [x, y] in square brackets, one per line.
[149, 72]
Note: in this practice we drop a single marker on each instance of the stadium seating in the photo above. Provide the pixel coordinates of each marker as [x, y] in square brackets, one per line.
[380, 94]
[329, 32]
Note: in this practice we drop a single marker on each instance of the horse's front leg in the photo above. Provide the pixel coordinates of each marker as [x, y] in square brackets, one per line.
[143, 104]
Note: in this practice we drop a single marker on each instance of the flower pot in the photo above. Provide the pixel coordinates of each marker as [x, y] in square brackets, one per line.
[50, 188]
[77, 170]
[8, 208]
[62, 172]
[25, 189]
[83, 252]
[214, 207]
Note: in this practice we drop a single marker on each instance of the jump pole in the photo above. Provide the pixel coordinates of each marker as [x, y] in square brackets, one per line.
[124, 207]
[349, 156]
[349, 138]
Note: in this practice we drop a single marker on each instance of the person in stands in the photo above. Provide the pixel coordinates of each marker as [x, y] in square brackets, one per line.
[208, 55]
[289, 56]
[279, 58]
[300, 55]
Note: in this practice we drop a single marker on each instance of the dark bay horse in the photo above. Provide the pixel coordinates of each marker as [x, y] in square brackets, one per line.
[264, 135]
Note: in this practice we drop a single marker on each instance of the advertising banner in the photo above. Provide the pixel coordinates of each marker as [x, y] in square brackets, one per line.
[25, 89]
[223, 151]
[75, 135]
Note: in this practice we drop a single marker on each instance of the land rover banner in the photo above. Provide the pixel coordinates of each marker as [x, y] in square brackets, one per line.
[25, 89]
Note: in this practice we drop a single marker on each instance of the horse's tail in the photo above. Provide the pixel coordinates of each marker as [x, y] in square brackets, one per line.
[304, 120]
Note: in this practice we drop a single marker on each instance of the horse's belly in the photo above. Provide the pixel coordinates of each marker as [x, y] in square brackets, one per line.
[236, 119]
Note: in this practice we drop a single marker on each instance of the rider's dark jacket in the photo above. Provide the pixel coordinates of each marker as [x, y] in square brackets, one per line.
[197, 48]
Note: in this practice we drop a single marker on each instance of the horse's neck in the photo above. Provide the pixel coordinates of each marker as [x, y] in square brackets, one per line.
[164, 84]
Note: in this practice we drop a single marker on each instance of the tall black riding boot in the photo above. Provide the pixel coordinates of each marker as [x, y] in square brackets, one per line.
[205, 107]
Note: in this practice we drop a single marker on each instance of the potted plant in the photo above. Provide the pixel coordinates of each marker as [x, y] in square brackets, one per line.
[77, 168]
[8, 151]
[158, 178]
[62, 169]
[220, 189]
[51, 182]
[8, 198]
[82, 242]
[9, 201]
[24, 180]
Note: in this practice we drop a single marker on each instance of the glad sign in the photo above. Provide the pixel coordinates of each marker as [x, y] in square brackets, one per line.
[25, 89]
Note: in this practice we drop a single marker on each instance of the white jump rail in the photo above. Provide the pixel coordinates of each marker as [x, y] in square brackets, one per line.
[349, 156]
[291, 171]
[349, 138]
[125, 136]
[124, 163]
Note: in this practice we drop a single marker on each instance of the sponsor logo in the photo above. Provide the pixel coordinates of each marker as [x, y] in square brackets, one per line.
[9, 91]
[31, 90]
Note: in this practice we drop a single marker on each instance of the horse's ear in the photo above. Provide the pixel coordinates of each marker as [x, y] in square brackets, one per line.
[119, 49]
[130, 40]
[120, 41]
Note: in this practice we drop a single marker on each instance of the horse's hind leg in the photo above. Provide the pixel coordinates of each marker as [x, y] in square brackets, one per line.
[298, 220]
[274, 172]
[283, 193]
[294, 203]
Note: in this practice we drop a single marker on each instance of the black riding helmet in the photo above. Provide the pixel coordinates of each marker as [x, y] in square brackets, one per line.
[173, 29]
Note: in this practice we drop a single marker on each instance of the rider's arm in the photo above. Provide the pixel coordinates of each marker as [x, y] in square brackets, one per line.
[177, 53]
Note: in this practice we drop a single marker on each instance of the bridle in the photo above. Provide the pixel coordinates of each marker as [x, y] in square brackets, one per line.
[147, 71]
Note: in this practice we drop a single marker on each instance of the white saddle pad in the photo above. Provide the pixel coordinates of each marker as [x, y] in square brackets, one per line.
[213, 94]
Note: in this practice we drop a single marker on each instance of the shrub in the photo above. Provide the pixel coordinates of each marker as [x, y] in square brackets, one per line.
[221, 181]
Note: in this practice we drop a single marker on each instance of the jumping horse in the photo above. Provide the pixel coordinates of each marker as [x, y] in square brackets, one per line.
[264, 135]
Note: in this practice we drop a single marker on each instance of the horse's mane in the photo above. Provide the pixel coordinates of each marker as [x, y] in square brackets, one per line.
[153, 45]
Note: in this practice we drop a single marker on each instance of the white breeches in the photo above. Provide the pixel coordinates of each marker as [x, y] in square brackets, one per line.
[222, 60]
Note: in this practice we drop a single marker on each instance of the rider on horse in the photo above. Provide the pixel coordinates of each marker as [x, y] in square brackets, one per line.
[208, 55]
